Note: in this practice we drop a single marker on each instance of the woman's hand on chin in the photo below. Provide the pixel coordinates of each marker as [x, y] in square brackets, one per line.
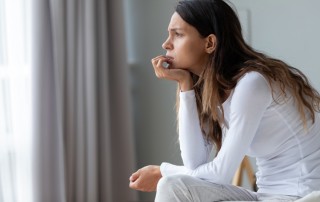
[183, 77]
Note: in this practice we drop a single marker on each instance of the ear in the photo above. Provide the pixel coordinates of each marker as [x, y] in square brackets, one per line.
[211, 42]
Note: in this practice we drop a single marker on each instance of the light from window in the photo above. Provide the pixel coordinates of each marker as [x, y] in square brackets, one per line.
[15, 102]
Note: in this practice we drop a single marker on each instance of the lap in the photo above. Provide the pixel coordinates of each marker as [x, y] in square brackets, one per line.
[187, 188]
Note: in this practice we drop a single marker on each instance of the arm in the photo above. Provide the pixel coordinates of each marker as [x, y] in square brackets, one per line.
[146, 178]
[194, 149]
[251, 98]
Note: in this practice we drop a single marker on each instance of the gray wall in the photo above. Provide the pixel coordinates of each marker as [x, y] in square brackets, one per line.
[286, 29]
[154, 100]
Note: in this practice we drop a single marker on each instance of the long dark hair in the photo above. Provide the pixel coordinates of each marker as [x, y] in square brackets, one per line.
[233, 58]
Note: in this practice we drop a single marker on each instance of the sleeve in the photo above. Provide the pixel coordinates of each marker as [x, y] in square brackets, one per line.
[194, 149]
[250, 99]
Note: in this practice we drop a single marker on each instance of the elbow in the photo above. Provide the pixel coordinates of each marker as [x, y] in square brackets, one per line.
[191, 166]
[193, 163]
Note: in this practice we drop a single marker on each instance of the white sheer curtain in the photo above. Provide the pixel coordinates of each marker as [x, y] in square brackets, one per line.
[66, 131]
[15, 102]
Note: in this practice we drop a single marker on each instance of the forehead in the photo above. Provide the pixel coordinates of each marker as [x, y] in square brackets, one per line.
[177, 22]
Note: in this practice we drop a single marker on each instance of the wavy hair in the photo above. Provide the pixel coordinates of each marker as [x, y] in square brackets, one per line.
[232, 58]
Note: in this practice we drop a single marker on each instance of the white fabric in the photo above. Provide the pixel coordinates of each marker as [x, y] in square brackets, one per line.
[288, 155]
[312, 197]
[184, 188]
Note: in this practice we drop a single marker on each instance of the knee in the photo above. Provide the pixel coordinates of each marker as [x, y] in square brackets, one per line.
[165, 183]
[174, 188]
[170, 188]
[170, 184]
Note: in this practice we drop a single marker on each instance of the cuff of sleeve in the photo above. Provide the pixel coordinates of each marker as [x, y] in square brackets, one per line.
[163, 169]
[187, 94]
[168, 169]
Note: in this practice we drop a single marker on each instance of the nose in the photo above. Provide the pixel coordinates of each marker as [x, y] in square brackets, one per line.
[167, 44]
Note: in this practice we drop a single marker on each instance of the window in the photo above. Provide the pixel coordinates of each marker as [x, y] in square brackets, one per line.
[15, 102]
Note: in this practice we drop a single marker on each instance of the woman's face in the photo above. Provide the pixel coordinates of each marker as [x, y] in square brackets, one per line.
[185, 46]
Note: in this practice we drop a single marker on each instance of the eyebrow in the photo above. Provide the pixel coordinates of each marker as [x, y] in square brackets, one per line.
[175, 29]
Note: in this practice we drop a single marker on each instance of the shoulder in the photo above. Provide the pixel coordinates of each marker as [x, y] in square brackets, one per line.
[253, 82]
[252, 78]
[253, 87]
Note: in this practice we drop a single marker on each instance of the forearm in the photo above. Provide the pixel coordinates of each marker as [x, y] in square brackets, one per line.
[194, 149]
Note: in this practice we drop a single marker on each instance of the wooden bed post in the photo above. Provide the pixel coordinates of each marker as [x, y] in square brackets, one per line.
[244, 166]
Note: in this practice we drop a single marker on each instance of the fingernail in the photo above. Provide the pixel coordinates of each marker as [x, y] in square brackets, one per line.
[165, 64]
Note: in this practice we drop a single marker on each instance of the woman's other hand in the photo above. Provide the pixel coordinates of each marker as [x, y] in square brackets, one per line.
[145, 179]
[183, 77]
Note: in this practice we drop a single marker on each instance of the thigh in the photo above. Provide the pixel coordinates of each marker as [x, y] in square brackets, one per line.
[187, 188]
[208, 191]
[276, 197]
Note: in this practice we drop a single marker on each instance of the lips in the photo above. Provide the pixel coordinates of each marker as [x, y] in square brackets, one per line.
[169, 57]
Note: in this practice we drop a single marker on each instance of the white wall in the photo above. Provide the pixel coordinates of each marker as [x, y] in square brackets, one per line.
[286, 29]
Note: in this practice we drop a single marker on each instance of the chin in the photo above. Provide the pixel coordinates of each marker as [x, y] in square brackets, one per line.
[195, 72]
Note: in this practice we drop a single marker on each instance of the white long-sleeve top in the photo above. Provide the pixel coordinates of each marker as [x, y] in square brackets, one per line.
[287, 154]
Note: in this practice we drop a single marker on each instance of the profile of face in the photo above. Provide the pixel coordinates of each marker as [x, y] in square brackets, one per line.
[185, 47]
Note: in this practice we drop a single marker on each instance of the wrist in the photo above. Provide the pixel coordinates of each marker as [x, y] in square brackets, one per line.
[186, 84]
[157, 171]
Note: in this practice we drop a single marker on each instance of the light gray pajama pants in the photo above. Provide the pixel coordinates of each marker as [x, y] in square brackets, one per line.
[184, 188]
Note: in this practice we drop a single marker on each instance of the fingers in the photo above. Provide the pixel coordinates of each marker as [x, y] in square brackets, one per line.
[134, 176]
[158, 64]
[160, 57]
[139, 184]
[134, 185]
[158, 61]
[135, 182]
[145, 179]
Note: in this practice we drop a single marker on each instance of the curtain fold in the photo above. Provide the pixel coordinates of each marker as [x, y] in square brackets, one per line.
[83, 128]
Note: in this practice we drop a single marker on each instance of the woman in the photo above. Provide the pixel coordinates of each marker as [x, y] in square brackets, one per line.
[240, 102]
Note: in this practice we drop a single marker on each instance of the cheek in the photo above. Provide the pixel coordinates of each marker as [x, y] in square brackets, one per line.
[191, 55]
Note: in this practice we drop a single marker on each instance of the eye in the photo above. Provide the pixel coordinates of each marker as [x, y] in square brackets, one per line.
[177, 34]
